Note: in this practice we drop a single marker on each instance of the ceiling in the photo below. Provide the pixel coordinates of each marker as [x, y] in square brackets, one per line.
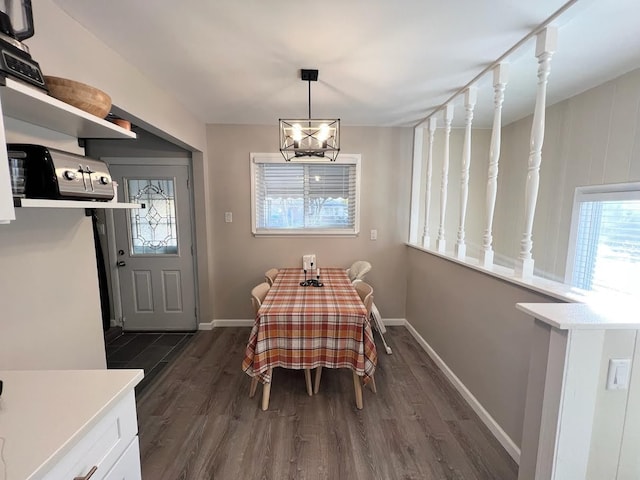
[381, 63]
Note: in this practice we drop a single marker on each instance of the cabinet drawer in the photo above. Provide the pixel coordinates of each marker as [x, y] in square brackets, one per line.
[102, 446]
[128, 466]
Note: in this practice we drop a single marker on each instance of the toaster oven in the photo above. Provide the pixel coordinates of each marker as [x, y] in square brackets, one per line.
[54, 174]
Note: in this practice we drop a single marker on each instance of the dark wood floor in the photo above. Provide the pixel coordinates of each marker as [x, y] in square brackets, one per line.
[197, 421]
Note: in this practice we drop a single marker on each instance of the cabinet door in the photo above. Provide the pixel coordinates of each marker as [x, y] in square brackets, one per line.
[128, 465]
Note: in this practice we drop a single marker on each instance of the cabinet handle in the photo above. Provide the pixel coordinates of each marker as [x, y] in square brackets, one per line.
[88, 475]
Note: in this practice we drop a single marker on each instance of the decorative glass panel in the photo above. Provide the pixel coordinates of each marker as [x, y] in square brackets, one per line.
[153, 229]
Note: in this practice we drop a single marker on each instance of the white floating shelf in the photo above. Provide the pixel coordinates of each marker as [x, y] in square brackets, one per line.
[31, 105]
[45, 203]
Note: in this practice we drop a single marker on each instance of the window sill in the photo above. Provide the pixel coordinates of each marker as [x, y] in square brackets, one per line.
[306, 233]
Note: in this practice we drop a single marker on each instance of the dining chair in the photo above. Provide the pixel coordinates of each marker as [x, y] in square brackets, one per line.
[258, 294]
[365, 292]
[358, 270]
[270, 275]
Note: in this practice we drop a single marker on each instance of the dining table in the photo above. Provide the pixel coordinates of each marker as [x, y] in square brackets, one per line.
[305, 327]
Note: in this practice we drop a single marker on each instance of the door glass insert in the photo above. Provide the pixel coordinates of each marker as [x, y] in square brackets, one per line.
[153, 229]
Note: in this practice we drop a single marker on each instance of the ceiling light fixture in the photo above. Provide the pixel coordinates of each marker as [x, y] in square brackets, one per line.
[317, 139]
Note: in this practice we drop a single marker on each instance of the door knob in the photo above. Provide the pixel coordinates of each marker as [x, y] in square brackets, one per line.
[121, 263]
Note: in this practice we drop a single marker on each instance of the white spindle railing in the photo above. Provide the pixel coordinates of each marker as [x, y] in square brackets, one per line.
[499, 83]
[426, 240]
[545, 46]
[416, 175]
[470, 97]
[444, 185]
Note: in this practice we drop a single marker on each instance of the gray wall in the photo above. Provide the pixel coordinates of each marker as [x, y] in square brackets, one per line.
[49, 292]
[240, 259]
[470, 320]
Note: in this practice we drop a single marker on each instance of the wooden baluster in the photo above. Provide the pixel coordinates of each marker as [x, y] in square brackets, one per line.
[545, 46]
[426, 240]
[418, 135]
[500, 73]
[470, 97]
[448, 118]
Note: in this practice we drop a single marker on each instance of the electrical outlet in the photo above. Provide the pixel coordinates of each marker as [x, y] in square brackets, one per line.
[228, 217]
[374, 234]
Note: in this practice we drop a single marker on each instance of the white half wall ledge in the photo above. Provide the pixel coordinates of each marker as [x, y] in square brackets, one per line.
[559, 291]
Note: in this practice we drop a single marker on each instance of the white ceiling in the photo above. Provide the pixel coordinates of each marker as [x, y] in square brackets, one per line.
[385, 63]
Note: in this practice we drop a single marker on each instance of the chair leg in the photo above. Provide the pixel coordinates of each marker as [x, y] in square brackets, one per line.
[372, 384]
[358, 390]
[266, 392]
[317, 382]
[254, 385]
[307, 379]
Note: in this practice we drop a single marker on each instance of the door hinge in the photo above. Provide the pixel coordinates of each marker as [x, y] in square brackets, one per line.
[188, 182]
[192, 250]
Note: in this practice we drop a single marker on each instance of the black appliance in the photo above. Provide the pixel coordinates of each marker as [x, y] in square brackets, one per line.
[54, 174]
[16, 25]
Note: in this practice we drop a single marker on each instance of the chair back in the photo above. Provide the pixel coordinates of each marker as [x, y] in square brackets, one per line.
[270, 275]
[358, 270]
[257, 295]
[365, 291]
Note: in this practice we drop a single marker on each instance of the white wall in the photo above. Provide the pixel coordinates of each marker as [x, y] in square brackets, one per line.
[616, 423]
[50, 316]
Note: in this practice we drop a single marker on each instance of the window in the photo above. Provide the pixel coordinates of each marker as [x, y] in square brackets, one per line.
[308, 198]
[604, 244]
[153, 229]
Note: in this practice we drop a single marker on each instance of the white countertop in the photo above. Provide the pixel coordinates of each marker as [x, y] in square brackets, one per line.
[566, 316]
[44, 413]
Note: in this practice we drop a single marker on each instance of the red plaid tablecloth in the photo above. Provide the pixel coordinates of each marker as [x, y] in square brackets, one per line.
[307, 327]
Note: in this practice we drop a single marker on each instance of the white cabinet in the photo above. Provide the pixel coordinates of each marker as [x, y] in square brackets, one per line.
[61, 424]
[104, 446]
[34, 106]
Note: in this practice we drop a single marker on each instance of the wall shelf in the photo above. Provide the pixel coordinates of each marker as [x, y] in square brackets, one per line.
[46, 203]
[31, 105]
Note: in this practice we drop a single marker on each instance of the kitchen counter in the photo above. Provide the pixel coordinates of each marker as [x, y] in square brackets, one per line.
[44, 414]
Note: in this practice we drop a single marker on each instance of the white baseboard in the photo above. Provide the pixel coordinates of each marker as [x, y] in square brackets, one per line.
[512, 449]
[395, 322]
[225, 323]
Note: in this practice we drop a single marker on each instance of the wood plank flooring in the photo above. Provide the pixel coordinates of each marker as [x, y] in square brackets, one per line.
[197, 421]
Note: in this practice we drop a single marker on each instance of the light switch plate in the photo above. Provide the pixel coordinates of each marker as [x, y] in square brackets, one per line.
[228, 217]
[618, 375]
[374, 234]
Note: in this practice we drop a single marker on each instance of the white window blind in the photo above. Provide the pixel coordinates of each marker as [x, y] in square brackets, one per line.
[606, 240]
[305, 198]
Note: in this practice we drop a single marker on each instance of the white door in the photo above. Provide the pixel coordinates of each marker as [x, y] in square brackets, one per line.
[154, 248]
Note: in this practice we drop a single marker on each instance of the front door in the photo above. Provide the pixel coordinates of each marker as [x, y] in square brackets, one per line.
[154, 248]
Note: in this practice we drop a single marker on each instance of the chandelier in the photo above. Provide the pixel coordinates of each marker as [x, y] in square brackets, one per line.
[310, 138]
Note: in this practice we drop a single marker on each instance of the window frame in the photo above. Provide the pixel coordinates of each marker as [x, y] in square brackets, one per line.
[343, 159]
[594, 193]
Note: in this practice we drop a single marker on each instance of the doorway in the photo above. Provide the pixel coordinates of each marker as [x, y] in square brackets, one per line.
[151, 249]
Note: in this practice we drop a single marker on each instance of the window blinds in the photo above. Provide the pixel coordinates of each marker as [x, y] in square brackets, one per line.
[298, 196]
[607, 252]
